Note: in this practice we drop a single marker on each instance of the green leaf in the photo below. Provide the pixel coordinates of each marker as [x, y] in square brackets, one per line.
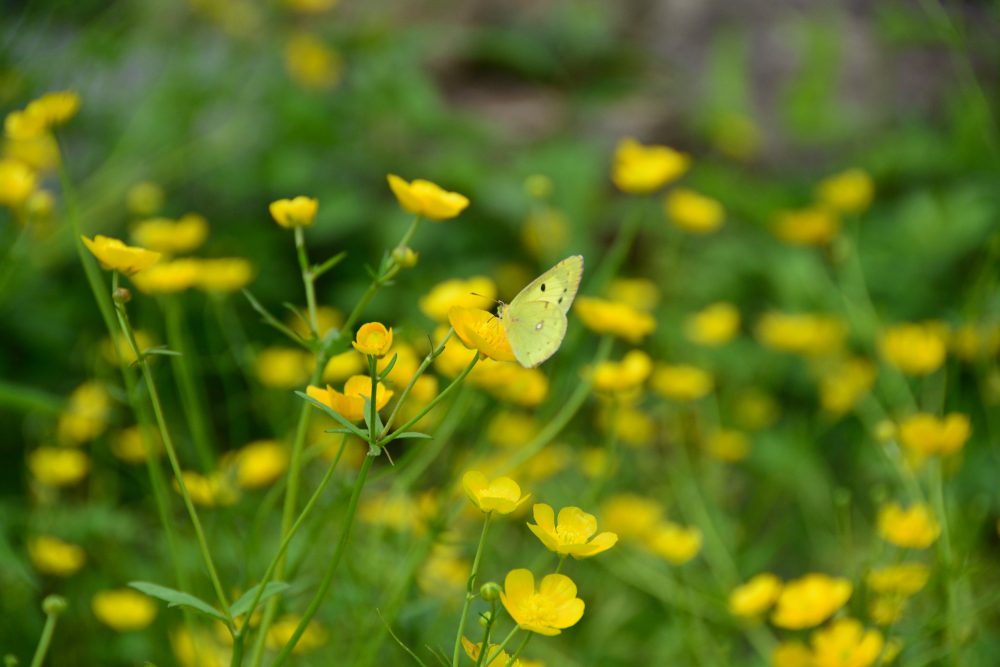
[328, 264]
[175, 598]
[242, 605]
[274, 322]
[388, 368]
[333, 413]
[162, 349]
[339, 430]
[410, 434]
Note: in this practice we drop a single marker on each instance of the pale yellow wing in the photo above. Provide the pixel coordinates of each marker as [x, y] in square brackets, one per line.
[558, 285]
[535, 330]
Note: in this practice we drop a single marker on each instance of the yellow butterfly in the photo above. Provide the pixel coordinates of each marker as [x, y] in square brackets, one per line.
[535, 321]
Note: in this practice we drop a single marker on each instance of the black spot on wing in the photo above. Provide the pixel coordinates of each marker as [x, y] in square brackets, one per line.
[543, 287]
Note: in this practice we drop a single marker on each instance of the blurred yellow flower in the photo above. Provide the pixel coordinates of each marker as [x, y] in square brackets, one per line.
[213, 490]
[510, 382]
[904, 579]
[58, 466]
[400, 511]
[116, 256]
[427, 199]
[405, 367]
[631, 516]
[805, 334]
[455, 357]
[226, 274]
[50, 555]
[281, 632]
[681, 382]
[641, 169]
[373, 339]
[728, 445]
[850, 191]
[171, 237]
[791, 653]
[326, 317]
[640, 293]
[86, 414]
[351, 403]
[144, 198]
[40, 205]
[915, 349]
[130, 445]
[481, 330]
[297, 212]
[200, 647]
[714, 325]
[260, 463]
[693, 212]
[545, 233]
[676, 543]
[621, 377]
[311, 63]
[444, 574]
[913, 527]
[39, 153]
[501, 495]
[810, 600]
[511, 429]
[755, 409]
[310, 6]
[972, 342]
[283, 367]
[17, 182]
[123, 610]
[631, 425]
[344, 365]
[845, 384]
[614, 318]
[846, 643]
[477, 292]
[495, 656]
[54, 108]
[886, 609]
[549, 610]
[23, 126]
[806, 226]
[736, 135]
[168, 277]
[926, 435]
[755, 597]
[116, 354]
[572, 534]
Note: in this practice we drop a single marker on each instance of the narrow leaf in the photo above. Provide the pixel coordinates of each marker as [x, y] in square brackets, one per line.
[388, 368]
[328, 264]
[242, 605]
[410, 434]
[333, 413]
[175, 598]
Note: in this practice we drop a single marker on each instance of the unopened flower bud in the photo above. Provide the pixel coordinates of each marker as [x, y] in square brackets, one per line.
[490, 591]
[405, 257]
[121, 295]
[54, 605]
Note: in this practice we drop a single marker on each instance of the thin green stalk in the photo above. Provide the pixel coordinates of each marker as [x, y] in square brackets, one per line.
[53, 606]
[619, 249]
[470, 589]
[411, 469]
[431, 356]
[946, 554]
[410, 231]
[307, 281]
[168, 445]
[338, 553]
[192, 400]
[499, 649]
[373, 432]
[517, 653]
[562, 561]
[430, 405]
[562, 418]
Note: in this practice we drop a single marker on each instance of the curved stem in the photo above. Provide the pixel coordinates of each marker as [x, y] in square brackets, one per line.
[45, 639]
[470, 589]
[308, 280]
[517, 653]
[191, 400]
[431, 356]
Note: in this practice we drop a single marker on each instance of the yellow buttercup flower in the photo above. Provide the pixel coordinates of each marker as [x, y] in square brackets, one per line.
[311, 63]
[640, 169]
[495, 656]
[58, 466]
[427, 199]
[444, 573]
[846, 643]
[676, 543]
[630, 425]
[131, 446]
[373, 339]
[226, 274]
[310, 6]
[483, 331]
[144, 198]
[50, 555]
[501, 495]
[118, 350]
[914, 527]
[640, 293]
[630, 516]
[351, 403]
[281, 632]
[622, 377]
[123, 610]
[116, 256]
[926, 435]
[344, 365]
[845, 384]
[405, 367]
[17, 182]
[905, 579]
[755, 596]
[611, 317]
[807, 226]
[715, 325]
[86, 414]
[728, 445]
[807, 602]
[693, 212]
[168, 277]
[54, 108]
[681, 382]
[23, 126]
[297, 212]
[283, 367]
[915, 349]
[212, 490]
[39, 154]
[849, 191]
[805, 334]
[572, 534]
[886, 609]
[478, 292]
[549, 610]
[791, 653]
[170, 237]
[260, 463]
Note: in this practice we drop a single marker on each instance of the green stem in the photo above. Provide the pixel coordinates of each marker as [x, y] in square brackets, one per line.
[946, 555]
[192, 400]
[487, 631]
[238, 643]
[44, 640]
[338, 553]
[562, 418]
[499, 649]
[373, 432]
[430, 405]
[168, 445]
[470, 589]
[517, 653]
[410, 231]
[307, 280]
[431, 356]
[616, 254]
[562, 561]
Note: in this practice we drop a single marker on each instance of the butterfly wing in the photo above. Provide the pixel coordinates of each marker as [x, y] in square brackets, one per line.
[558, 285]
[535, 330]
